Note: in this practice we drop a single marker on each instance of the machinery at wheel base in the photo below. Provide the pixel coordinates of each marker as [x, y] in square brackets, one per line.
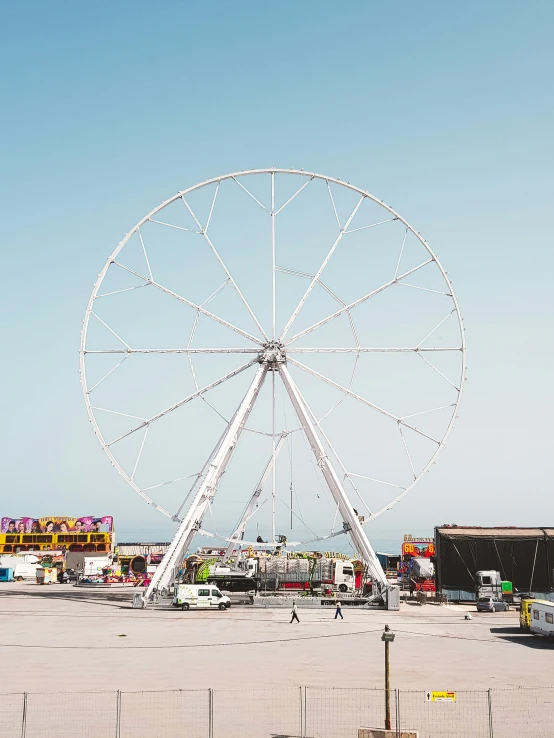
[276, 574]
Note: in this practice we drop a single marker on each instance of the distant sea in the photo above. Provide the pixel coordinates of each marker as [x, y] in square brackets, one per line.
[382, 540]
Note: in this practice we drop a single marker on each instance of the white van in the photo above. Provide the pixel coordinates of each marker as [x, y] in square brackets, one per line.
[26, 572]
[24, 566]
[542, 618]
[204, 596]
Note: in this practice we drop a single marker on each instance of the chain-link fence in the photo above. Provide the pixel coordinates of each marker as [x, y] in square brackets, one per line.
[289, 712]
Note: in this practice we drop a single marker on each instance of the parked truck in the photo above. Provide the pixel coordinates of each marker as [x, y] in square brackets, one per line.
[489, 583]
[284, 574]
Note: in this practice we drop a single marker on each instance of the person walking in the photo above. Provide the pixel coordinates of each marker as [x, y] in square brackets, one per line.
[338, 611]
[294, 613]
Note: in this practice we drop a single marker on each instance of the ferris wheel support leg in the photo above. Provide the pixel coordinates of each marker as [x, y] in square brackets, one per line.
[172, 560]
[355, 530]
[238, 534]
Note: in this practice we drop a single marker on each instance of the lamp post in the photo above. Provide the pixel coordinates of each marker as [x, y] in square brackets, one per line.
[387, 637]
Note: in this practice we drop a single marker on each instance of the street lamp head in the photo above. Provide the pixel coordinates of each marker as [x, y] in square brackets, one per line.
[388, 635]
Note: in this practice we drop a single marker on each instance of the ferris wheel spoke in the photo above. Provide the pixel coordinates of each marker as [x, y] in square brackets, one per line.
[357, 302]
[184, 401]
[216, 191]
[300, 520]
[436, 327]
[189, 357]
[361, 399]
[171, 225]
[171, 481]
[378, 481]
[347, 475]
[333, 204]
[432, 410]
[366, 350]
[273, 270]
[401, 252]
[293, 196]
[321, 268]
[140, 452]
[191, 304]
[371, 225]
[125, 289]
[119, 363]
[254, 505]
[174, 351]
[146, 259]
[224, 267]
[249, 194]
[111, 330]
[116, 412]
[407, 452]
[424, 289]
[434, 368]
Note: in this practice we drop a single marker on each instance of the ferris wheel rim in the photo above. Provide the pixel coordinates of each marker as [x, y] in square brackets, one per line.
[234, 176]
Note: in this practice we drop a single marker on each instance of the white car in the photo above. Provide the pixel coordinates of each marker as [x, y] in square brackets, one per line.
[200, 596]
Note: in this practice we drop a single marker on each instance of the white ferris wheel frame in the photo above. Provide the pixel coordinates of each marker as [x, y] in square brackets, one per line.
[271, 353]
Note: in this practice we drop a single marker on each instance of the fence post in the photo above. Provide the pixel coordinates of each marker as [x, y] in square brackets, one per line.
[301, 716]
[210, 713]
[24, 716]
[118, 715]
[491, 728]
[397, 712]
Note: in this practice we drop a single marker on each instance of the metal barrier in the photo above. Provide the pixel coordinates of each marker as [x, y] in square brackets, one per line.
[287, 712]
[332, 712]
[466, 717]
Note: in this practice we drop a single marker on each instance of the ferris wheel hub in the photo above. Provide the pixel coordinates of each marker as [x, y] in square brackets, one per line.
[273, 353]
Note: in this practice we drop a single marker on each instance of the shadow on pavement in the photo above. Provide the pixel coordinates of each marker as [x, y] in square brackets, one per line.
[105, 598]
[515, 635]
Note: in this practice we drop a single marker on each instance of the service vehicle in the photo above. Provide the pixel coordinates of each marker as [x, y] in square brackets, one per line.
[200, 596]
[489, 583]
[294, 572]
[525, 612]
[542, 619]
[24, 566]
[26, 572]
[46, 575]
[491, 604]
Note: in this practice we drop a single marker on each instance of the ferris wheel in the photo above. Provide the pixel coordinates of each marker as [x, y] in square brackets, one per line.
[290, 310]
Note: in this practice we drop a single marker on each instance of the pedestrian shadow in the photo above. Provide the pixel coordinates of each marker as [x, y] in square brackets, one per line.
[516, 635]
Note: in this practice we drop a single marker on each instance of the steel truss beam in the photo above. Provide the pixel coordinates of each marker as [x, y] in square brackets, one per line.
[238, 534]
[165, 573]
[355, 530]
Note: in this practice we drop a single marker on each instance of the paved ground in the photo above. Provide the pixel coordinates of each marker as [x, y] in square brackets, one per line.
[47, 632]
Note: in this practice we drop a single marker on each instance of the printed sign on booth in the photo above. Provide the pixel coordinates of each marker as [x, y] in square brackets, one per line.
[56, 524]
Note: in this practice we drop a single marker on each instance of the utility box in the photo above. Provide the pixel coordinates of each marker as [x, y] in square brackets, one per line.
[393, 598]
[137, 600]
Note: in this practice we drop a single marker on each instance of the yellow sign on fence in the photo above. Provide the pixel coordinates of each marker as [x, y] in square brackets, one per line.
[440, 696]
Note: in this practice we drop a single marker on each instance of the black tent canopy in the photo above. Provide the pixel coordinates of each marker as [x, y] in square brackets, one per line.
[523, 556]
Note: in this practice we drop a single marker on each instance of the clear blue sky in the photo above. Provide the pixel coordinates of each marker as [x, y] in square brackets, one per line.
[444, 111]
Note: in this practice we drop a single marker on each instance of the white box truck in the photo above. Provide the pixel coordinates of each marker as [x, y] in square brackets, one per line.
[24, 566]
